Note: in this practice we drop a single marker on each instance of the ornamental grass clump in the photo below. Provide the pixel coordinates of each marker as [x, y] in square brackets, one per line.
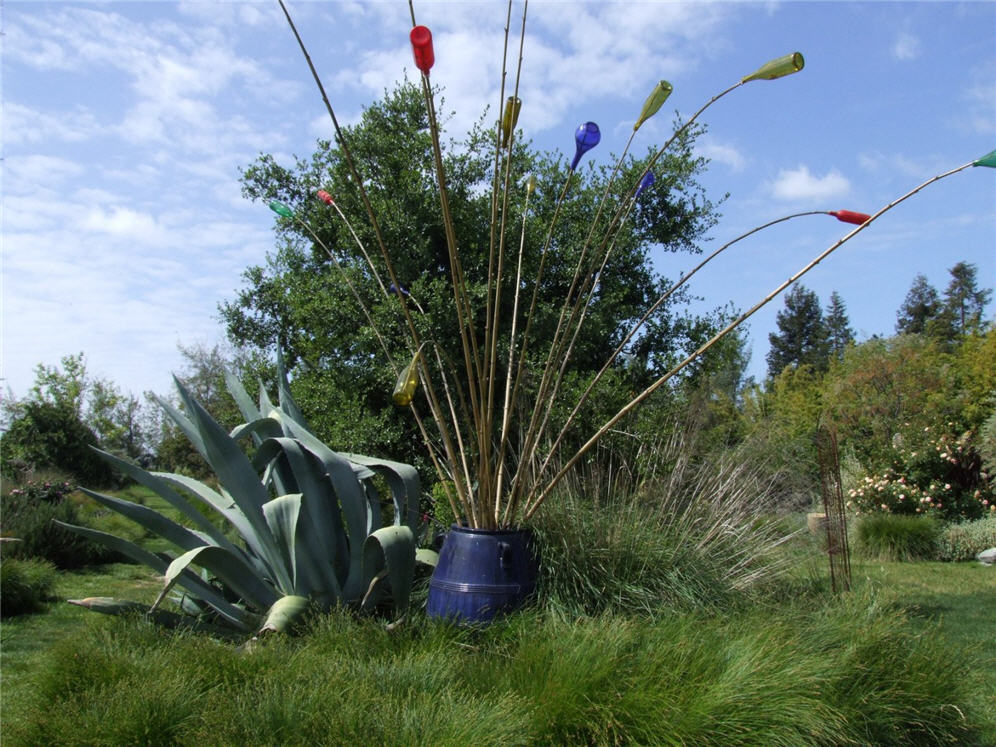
[489, 398]
[849, 671]
[25, 585]
[895, 537]
[662, 533]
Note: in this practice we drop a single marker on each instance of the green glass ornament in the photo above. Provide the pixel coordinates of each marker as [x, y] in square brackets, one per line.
[654, 101]
[404, 389]
[509, 118]
[987, 160]
[779, 68]
[280, 209]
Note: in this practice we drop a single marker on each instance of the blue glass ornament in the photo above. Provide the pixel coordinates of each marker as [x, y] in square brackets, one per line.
[647, 180]
[587, 137]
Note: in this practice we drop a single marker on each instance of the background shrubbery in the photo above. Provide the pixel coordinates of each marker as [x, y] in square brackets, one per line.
[933, 472]
[27, 513]
[965, 540]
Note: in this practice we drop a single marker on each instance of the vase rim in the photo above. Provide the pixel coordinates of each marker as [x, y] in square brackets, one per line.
[475, 530]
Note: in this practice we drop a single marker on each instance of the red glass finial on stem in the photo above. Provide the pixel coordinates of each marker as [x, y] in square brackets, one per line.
[849, 216]
[421, 39]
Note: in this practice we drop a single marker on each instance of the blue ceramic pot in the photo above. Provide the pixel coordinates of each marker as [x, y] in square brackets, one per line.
[482, 573]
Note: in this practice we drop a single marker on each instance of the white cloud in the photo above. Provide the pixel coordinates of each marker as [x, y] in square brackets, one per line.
[980, 99]
[122, 222]
[800, 184]
[22, 124]
[915, 168]
[906, 46]
[572, 54]
[40, 169]
[723, 153]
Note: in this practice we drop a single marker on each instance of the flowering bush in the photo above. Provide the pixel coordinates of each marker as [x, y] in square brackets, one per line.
[934, 473]
[34, 493]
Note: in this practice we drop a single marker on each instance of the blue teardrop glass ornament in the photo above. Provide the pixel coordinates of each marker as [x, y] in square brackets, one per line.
[647, 181]
[586, 137]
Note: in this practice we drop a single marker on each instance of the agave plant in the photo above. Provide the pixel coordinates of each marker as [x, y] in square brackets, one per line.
[308, 522]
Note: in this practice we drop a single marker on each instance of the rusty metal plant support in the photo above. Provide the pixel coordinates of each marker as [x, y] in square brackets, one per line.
[833, 507]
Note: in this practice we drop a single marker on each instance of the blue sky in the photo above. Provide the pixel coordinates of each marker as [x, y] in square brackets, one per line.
[125, 125]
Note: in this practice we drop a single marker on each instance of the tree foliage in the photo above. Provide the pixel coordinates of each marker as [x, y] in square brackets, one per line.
[839, 332]
[299, 301]
[802, 337]
[964, 301]
[66, 412]
[960, 312]
[921, 305]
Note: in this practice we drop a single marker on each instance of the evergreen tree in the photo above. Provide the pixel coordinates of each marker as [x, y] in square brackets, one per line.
[839, 332]
[921, 306]
[802, 336]
[964, 301]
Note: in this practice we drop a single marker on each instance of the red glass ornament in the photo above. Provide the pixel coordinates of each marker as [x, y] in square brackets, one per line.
[421, 39]
[849, 216]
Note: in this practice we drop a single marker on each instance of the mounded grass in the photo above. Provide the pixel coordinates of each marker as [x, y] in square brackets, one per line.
[25, 585]
[896, 537]
[852, 671]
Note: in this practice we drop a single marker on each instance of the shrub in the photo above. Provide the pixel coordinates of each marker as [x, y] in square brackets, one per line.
[46, 435]
[895, 537]
[28, 514]
[25, 585]
[965, 540]
[987, 443]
